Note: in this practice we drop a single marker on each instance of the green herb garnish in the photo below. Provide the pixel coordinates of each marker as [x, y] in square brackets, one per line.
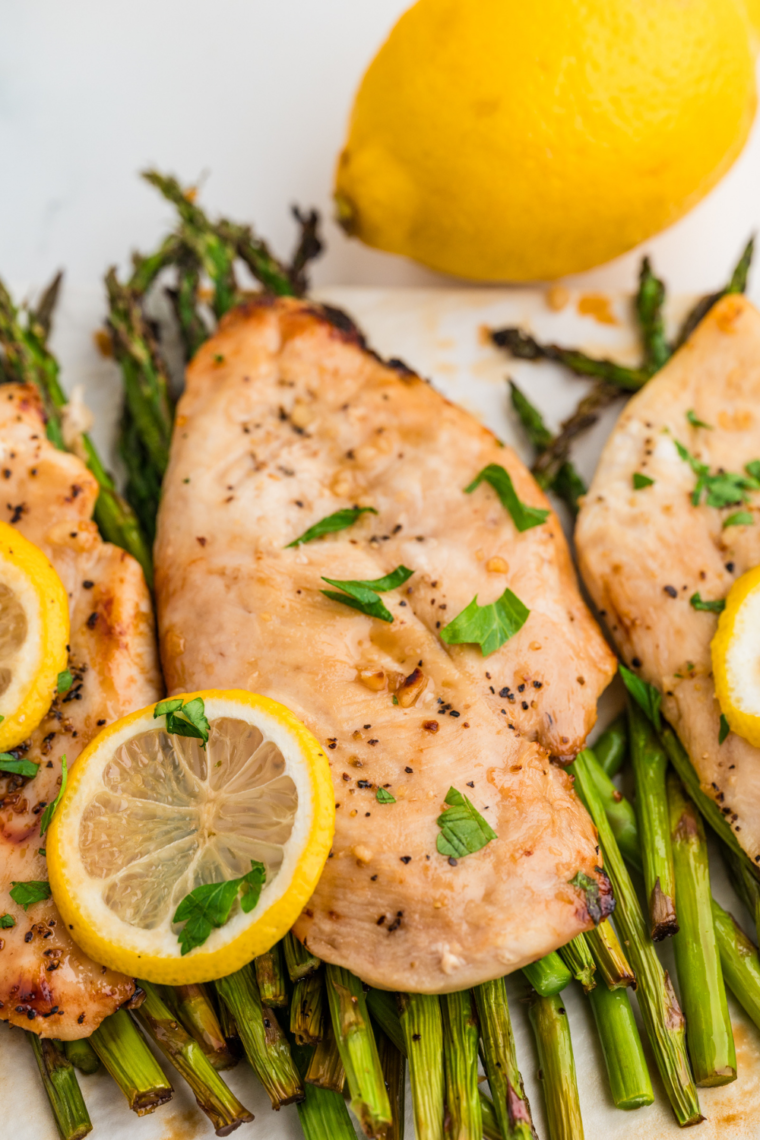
[739, 518]
[65, 681]
[715, 607]
[724, 730]
[523, 516]
[463, 829]
[487, 626]
[50, 810]
[9, 763]
[185, 719]
[590, 888]
[645, 695]
[33, 891]
[691, 417]
[724, 488]
[641, 481]
[340, 520]
[7, 921]
[362, 595]
[209, 905]
[384, 797]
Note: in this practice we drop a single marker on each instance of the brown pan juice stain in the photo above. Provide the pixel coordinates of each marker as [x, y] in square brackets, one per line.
[186, 1124]
[598, 306]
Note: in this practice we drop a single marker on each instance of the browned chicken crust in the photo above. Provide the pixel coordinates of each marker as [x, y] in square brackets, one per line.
[286, 419]
[47, 984]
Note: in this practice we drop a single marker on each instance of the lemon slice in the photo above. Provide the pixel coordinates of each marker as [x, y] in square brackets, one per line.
[148, 817]
[34, 635]
[736, 657]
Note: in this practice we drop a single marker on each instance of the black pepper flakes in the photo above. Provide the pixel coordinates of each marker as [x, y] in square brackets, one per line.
[671, 591]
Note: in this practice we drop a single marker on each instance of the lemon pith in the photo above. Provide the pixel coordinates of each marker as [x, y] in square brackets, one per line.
[735, 653]
[34, 635]
[148, 817]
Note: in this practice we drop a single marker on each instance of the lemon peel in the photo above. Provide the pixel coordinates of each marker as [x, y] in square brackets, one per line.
[736, 658]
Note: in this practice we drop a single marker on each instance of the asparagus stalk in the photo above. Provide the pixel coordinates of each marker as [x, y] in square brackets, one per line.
[265, 1044]
[569, 487]
[82, 1055]
[230, 1031]
[659, 1006]
[62, 1087]
[649, 302]
[739, 961]
[393, 1065]
[623, 1055]
[524, 347]
[256, 254]
[556, 1067]
[608, 955]
[567, 483]
[192, 1005]
[554, 455]
[460, 1066]
[124, 1053]
[212, 1095]
[185, 302]
[744, 883]
[577, 956]
[325, 1067]
[736, 284]
[422, 1028]
[270, 976]
[358, 1049]
[322, 1112]
[307, 1010]
[500, 1062]
[299, 962]
[711, 1040]
[649, 767]
[308, 247]
[620, 814]
[549, 975]
[611, 748]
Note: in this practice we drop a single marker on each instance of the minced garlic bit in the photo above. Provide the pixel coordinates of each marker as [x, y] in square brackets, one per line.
[497, 566]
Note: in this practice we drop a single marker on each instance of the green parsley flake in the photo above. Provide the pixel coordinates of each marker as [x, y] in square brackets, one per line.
[26, 894]
[715, 607]
[691, 417]
[210, 905]
[340, 520]
[645, 695]
[50, 810]
[590, 888]
[7, 921]
[725, 728]
[463, 829]
[362, 595]
[739, 518]
[9, 763]
[487, 626]
[724, 488]
[185, 719]
[523, 516]
[384, 797]
[65, 681]
[641, 481]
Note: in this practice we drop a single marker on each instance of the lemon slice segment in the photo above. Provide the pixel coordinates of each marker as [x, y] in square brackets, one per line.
[736, 657]
[34, 635]
[148, 817]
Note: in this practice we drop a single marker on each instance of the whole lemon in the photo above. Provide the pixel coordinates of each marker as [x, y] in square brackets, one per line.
[505, 140]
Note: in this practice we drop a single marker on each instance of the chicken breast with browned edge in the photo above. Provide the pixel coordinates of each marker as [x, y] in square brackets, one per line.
[645, 553]
[287, 418]
[47, 984]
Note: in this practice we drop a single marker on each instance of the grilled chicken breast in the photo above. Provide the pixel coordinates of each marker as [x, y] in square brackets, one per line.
[644, 553]
[47, 984]
[287, 418]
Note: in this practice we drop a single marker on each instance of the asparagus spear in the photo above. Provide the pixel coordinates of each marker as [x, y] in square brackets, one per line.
[82, 1055]
[623, 1055]
[212, 1095]
[192, 1005]
[650, 299]
[744, 883]
[393, 1065]
[264, 1042]
[322, 1112]
[608, 955]
[549, 975]
[230, 1031]
[358, 1050]
[649, 766]
[422, 1027]
[567, 483]
[123, 1051]
[185, 302]
[500, 1062]
[256, 254]
[270, 976]
[620, 814]
[553, 457]
[659, 1006]
[299, 962]
[325, 1067]
[711, 1041]
[307, 1010]
[578, 958]
[62, 1087]
[460, 1066]
[556, 1067]
[524, 347]
[611, 747]
[736, 284]
[739, 961]
[308, 247]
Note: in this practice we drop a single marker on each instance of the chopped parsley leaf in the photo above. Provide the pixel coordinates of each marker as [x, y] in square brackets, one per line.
[590, 888]
[9, 763]
[7, 921]
[691, 417]
[50, 810]
[340, 520]
[715, 607]
[724, 488]
[463, 829]
[640, 481]
[33, 891]
[523, 516]
[65, 681]
[739, 518]
[209, 905]
[725, 728]
[487, 626]
[645, 695]
[185, 718]
[384, 797]
[362, 595]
